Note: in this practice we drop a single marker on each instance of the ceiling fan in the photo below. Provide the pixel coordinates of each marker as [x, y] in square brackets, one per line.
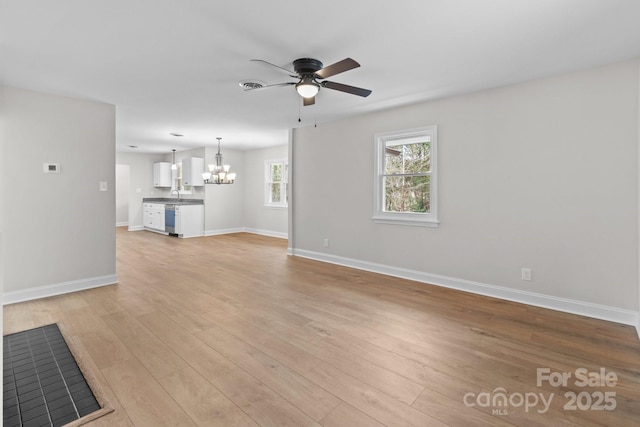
[311, 77]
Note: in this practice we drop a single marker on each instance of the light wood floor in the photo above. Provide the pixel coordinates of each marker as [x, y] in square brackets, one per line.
[230, 331]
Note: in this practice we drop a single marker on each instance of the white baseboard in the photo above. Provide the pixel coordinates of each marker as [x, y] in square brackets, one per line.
[136, 227]
[267, 233]
[57, 289]
[224, 231]
[246, 230]
[122, 224]
[613, 314]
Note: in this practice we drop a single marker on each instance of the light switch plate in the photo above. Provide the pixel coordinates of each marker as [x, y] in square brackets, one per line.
[103, 186]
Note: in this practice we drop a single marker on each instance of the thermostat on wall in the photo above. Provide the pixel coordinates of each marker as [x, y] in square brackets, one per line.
[51, 167]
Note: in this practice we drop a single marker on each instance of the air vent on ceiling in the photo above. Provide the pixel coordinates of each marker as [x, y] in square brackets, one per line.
[251, 84]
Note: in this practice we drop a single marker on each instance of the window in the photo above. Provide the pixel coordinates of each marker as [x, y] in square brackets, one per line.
[176, 180]
[276, 188]
[405, 177]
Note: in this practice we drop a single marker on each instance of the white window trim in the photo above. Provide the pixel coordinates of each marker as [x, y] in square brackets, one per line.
[267, 181]
[404, 218]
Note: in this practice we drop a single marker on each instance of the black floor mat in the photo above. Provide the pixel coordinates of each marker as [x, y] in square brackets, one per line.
[42, 383]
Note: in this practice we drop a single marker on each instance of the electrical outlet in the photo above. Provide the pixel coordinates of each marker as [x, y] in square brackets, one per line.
[526, 274]
[326, 243]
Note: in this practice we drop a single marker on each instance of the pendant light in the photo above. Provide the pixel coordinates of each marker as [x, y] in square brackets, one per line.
[173, 163]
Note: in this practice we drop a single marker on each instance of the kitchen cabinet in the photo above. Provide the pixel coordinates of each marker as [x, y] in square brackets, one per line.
[153, 216]
[189, 220]
[162, 174]
[192, 168]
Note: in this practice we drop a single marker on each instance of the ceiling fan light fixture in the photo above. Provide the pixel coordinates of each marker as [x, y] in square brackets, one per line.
[307, 88]
[309, 71]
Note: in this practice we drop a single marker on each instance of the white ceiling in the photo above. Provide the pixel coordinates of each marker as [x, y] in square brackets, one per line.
[174, 65]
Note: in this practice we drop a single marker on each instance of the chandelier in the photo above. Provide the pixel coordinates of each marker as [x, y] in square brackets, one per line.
[219, 173]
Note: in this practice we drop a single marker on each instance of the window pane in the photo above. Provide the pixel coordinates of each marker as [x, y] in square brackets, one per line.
[393, 160]
[276, 172]
[407, 194]
[417, 157]
[408, 158]
[275, 193]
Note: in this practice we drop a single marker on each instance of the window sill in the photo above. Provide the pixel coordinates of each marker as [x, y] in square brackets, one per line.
[277, 207]
[411, 222]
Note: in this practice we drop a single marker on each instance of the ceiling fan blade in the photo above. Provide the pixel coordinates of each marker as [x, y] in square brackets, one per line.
[291, 73]
[309, 101]
[346, 88]
[270, 86]
[337, 68]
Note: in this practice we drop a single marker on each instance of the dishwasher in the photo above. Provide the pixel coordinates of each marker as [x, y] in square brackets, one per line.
[170, 219]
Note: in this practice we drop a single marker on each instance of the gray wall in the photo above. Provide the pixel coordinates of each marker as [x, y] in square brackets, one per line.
[3, 156]
[57, 228]
[223, 204]
[258, 217]
[541, 175]
[122, 194]
[638, 198]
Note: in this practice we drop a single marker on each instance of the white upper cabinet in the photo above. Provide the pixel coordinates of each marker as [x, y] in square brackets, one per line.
[162, 174]
[192, 169]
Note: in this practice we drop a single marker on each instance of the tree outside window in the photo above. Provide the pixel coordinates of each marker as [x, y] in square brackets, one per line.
[407, 177]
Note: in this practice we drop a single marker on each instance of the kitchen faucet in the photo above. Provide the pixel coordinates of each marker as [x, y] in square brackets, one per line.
[178, 191]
